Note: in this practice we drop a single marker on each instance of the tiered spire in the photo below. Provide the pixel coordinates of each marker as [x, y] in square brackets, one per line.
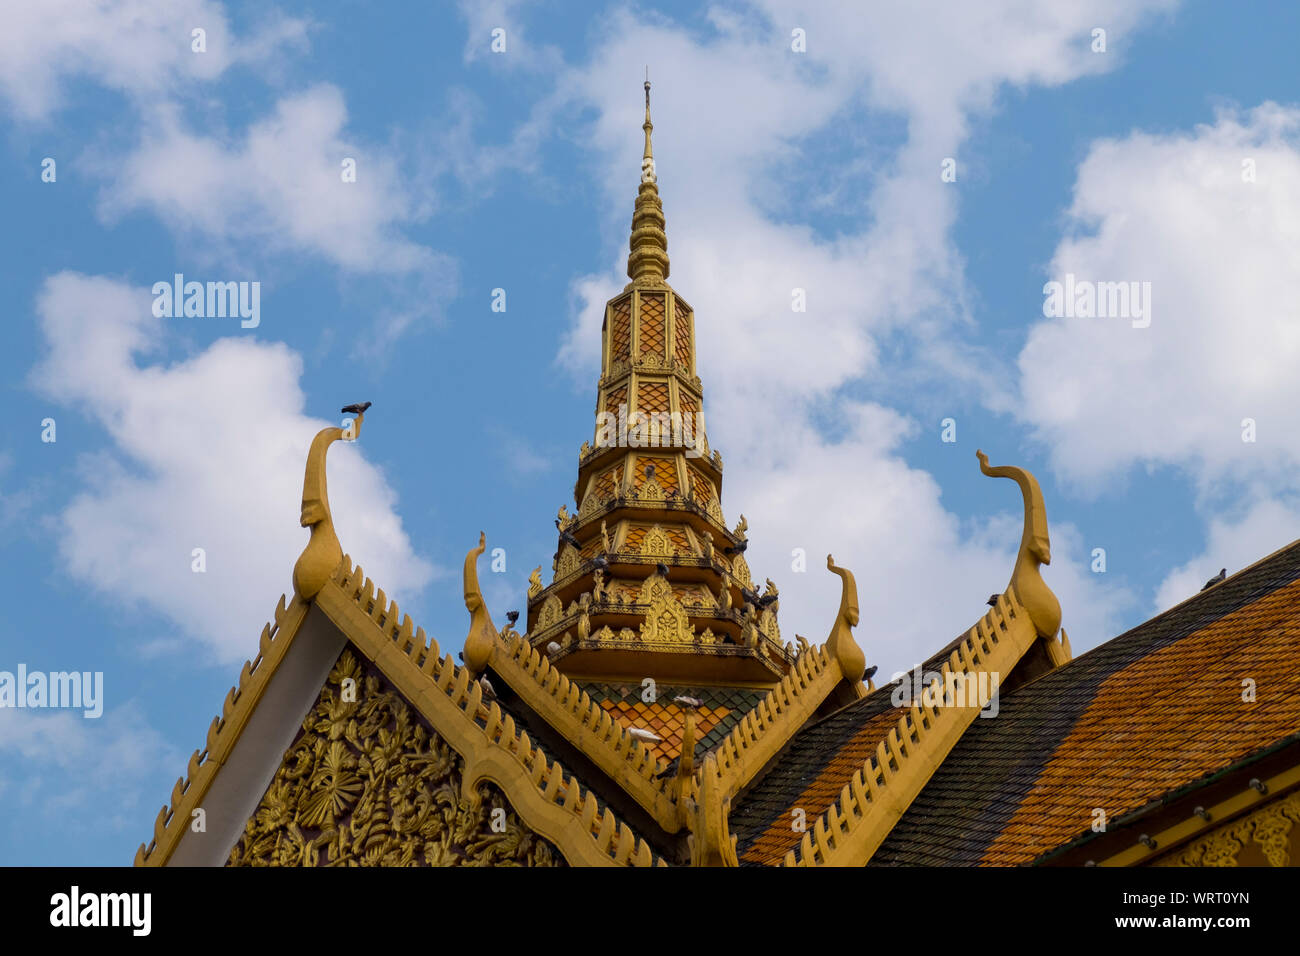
[647, 262]
[648, 581]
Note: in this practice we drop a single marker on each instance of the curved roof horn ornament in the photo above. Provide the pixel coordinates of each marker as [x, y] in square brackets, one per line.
[1027, 582]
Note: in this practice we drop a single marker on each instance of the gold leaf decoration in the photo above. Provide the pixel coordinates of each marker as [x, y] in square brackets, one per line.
[368, 783]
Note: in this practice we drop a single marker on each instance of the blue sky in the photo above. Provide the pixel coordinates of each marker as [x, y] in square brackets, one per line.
[817, 170]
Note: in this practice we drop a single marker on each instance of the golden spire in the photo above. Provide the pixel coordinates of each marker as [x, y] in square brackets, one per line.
[648, 127]
[648, 262]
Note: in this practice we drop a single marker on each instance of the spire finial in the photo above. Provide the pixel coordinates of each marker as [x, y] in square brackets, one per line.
[648, 127]
[648, 262]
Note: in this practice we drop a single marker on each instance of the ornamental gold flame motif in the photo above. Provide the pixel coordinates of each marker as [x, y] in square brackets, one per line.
[367, 783]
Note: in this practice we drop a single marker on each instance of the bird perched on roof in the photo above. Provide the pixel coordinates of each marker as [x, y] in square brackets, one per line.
[553, 648]
[1223, 573]
[662, 569]
[512, 616]
[685, 701]
[601, 562]
[670, 770]
[869, 673]
[566, 537]
[993, 600]
[738, 549]
[751, 597]
[645, 736]
[488, 690]
[356, 409]
[767, 600]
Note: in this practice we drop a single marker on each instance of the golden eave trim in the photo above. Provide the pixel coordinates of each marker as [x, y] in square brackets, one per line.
[880, 791]
[1175, 837]
[188, 792]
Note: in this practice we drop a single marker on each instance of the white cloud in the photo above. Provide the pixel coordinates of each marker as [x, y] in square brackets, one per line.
[735, 114]
[280, 184]
[1233, 542]
[513, 46]
[1223, 259]
[206, 453]
[71, 765]
[139, 47]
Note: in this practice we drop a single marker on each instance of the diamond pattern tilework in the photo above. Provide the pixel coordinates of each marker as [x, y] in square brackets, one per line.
[652, 324]
[681, 333]
[620, 336]
[722, 708]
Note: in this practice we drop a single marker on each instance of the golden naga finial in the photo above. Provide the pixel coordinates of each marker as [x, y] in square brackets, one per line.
[482, 634]
[1035, 549]
[323, 552]
[841, 645]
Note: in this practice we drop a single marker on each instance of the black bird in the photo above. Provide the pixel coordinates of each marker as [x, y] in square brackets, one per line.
[662, 569]
[566, 537]
[512, 616]
[356, 409]
[993, 600]
[1223, 573]
[750, 596]
[738, 549]
[767, 600]
[669, 770]
[601, 562]
[870, 672]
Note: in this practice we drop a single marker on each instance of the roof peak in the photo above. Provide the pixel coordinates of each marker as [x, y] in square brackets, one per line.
[647, 261]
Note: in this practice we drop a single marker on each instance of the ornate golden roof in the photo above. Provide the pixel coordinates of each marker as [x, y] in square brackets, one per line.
[648, 581]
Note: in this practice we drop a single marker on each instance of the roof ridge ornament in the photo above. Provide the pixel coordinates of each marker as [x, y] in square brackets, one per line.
[1035, 550]
[323, 552]
[840, 644]
[482, 634]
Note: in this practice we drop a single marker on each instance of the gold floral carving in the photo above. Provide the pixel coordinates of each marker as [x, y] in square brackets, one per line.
[665, 619]
[550, 612]
[569, 561]
[1270, 828]
[367, 783]
[740, 570]
[656, 543]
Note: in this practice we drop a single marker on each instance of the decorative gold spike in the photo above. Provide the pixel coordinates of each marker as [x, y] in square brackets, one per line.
[482, 633]
[840, 645]
[1035, 550]
[323, 553]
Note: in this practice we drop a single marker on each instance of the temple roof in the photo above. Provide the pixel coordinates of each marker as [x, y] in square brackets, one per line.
[1152, 711]
[651, 714]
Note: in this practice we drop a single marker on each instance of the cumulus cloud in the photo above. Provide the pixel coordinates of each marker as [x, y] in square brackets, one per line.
[206, 453]
[280, 184]
[1233, 542]
[70, 765]
[738, 116]
[512, 47]
[1222, 254]
[140, 47]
